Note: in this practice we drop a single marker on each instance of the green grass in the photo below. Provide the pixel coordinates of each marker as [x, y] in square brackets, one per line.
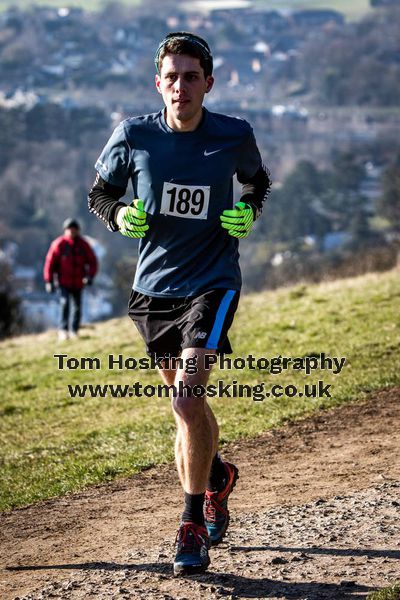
[88, 5]
[391, 593]
[52, 444]
[353, 10]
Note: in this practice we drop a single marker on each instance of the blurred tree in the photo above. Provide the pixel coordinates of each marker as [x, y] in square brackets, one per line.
[292, 211]
[124, 272]
[348, 171]
[359, 229]
[10, 313]
[389, 202]
[357, 64]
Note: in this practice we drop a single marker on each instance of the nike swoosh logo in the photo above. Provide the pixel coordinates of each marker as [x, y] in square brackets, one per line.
[212, 152]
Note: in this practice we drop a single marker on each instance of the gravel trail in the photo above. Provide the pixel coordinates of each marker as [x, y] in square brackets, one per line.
[315, 515]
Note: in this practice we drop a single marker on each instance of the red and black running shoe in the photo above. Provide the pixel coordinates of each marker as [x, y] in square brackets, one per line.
[192, 544]
[216, 513]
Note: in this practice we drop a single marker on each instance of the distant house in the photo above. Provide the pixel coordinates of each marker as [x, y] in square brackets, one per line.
[241, 61]
[384, 2]
[371, 186]
[41, 310]
[290, 112]
[335, 239]
[315, 18]
[254, 22]
[24, 278]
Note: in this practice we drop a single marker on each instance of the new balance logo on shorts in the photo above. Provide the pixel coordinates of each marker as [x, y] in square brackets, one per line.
[201, 335]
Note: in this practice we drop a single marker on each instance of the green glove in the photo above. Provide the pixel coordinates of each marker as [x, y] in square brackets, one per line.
[131, 220]
[238, 221]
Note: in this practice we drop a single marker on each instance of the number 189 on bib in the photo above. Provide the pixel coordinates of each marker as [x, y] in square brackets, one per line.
[186, 201]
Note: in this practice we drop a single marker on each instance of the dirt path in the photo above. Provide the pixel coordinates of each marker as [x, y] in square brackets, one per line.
[316, 514]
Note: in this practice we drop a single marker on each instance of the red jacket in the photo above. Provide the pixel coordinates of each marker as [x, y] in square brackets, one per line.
[72, 260]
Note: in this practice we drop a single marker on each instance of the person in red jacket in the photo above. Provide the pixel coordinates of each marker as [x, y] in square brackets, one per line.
[71, 264]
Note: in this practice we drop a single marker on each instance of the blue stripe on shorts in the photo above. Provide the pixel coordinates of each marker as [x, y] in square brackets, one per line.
[212, 342]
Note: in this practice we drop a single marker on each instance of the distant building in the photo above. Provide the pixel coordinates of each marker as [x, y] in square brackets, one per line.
[371, 186]
[335, 239]
[384, 2]
[313, 18]
[41, 310]
[24, 278]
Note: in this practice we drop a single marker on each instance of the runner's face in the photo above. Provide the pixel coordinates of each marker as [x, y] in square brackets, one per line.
[182, 85]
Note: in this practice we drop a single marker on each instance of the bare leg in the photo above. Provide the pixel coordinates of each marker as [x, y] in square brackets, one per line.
[197, 434]
[214, 427]
[168, 376]
[186, 444]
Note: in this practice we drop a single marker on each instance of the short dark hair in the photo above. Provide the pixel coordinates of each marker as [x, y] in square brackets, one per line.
[184, 42]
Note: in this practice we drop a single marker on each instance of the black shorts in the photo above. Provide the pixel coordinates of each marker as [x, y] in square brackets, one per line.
[168, 325]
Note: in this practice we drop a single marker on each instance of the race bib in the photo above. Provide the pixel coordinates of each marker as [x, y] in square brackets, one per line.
[186, 201]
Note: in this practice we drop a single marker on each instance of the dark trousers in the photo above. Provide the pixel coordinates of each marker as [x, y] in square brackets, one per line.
[70, 302]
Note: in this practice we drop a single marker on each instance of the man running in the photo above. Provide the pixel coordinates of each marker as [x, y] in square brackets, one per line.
[181, 161]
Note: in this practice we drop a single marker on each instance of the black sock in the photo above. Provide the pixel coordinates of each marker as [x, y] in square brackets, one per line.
[217, 479]
[194, 508]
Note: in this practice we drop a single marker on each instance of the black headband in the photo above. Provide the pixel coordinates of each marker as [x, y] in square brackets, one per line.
[188, 37]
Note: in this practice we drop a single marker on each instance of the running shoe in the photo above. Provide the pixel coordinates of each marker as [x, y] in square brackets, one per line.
[192, 544]
[216, 513]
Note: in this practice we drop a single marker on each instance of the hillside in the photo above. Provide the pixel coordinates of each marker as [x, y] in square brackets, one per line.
[53, 443]
[69, 77]
[354, 9]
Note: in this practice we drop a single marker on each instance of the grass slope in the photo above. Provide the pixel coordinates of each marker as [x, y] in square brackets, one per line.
[392, 593]
[88, 5]
[52, 444]
[354, 9]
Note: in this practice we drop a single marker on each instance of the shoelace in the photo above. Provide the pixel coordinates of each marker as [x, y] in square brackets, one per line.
[211, 509]
[188, 538]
